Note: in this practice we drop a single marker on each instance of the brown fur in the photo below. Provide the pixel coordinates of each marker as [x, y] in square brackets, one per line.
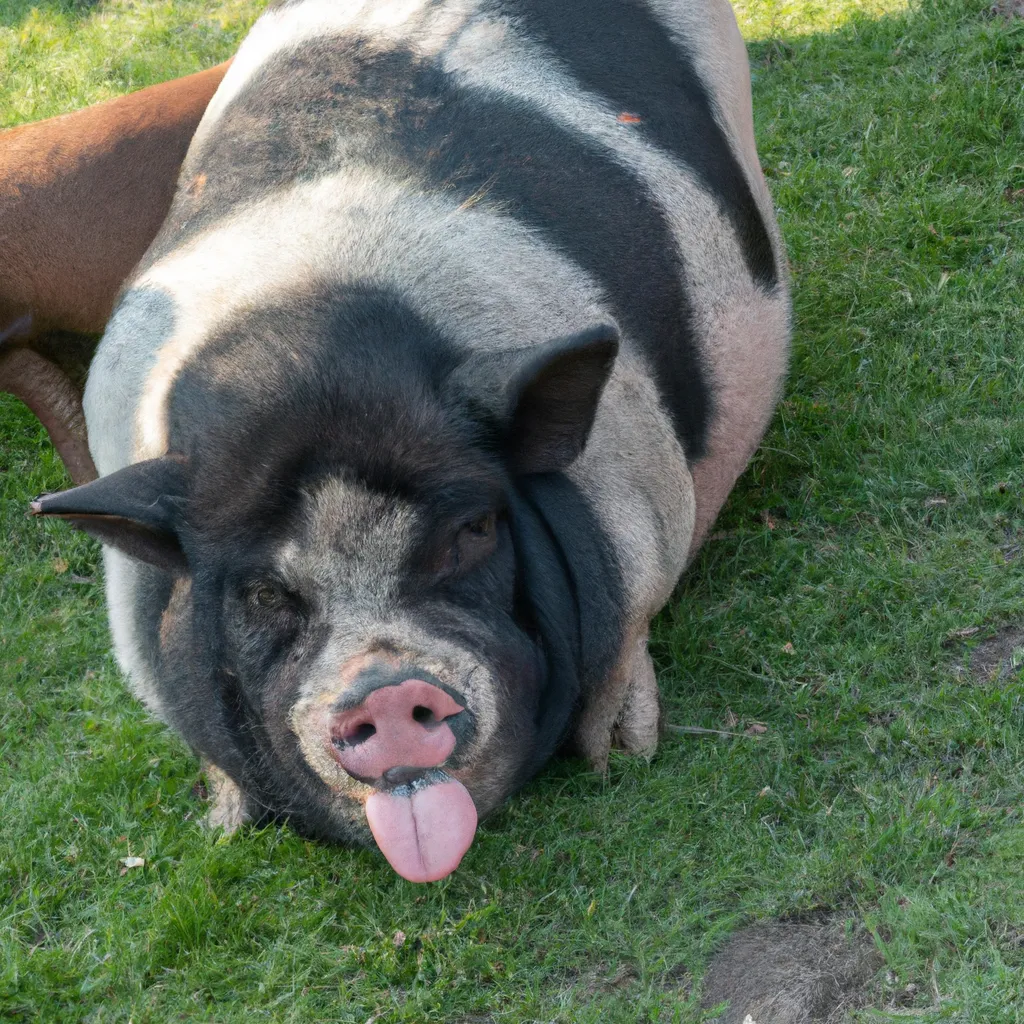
[81, 198]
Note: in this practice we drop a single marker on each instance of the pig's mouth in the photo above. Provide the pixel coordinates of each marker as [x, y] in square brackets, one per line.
[391, 744]
[423, 827]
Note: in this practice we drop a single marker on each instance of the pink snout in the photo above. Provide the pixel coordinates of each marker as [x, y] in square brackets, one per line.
[395, 727]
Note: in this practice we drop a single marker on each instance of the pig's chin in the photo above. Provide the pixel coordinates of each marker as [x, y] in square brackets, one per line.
[425, 828]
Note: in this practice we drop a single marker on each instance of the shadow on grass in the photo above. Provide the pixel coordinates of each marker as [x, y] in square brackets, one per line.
[837, 115]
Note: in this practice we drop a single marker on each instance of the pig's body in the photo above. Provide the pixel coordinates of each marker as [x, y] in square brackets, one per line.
[365, 352]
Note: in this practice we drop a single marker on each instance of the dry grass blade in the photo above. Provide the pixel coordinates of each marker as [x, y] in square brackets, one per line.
[696, 730]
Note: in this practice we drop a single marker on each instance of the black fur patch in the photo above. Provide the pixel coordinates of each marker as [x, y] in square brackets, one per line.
[618, 50]
[346, 101]
[573, 588]
[325, 384]
[591, 568]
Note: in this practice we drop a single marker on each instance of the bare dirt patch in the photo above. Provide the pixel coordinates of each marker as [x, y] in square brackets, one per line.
[792, 972]
[998, 656]
[1007, 9]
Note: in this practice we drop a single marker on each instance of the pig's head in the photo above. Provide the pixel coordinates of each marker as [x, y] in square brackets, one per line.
[371, 563]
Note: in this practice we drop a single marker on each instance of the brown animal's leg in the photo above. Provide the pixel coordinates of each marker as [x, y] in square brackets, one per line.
[626, 711]
[47, 372]
[49, 392]
[81, 198]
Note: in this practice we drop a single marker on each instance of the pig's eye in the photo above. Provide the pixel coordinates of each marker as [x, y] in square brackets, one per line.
[475, 541]
[266, 595]
[270, 609]
[482, 527]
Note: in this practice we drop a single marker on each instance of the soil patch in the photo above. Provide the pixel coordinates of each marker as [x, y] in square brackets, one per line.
[792, 972]
[1007, 9]
[993, 659]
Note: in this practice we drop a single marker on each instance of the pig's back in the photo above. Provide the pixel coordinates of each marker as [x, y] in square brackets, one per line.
[513, 168]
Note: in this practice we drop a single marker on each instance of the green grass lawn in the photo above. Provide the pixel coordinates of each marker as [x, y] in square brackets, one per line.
[852, 602]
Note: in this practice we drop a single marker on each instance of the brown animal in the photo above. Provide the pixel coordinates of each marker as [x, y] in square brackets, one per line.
[81, 198]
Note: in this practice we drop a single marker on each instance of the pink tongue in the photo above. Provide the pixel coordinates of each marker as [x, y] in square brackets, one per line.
[425, 835]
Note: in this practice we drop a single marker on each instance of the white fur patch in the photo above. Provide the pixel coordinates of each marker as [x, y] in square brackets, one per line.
[708, 33]
[449, 261]
[748, 365]
[492, 57]
[121, 573]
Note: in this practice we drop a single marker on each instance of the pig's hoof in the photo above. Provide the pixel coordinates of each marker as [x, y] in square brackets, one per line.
[228, 804]
[625, 713]
[636, 727]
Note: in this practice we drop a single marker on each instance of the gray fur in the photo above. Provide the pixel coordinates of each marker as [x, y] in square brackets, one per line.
[143, 321]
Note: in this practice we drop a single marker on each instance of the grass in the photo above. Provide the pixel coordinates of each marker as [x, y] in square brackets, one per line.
[881, 521]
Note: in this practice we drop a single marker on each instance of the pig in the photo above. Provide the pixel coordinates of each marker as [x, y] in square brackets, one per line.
[464, 320]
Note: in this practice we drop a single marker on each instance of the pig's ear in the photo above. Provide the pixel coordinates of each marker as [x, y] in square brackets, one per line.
[137, 510]
[553, 398]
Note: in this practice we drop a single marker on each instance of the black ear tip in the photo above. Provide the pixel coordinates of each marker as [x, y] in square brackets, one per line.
[593, 352]
[44, 504]
[36, 507]
[598, 346]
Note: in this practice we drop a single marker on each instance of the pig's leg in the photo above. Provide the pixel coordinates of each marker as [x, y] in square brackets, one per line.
[638, 722]
[637, 480]
[81, 198]
[228, 804]
[626, 712]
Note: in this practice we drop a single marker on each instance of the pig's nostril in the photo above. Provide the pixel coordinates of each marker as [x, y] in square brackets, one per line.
[410, 725]
[355, 735]
[423, 715]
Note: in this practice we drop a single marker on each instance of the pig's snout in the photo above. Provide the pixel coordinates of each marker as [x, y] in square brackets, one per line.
[395, 731]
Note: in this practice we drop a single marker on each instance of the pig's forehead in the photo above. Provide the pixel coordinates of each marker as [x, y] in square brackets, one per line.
[342, 519]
